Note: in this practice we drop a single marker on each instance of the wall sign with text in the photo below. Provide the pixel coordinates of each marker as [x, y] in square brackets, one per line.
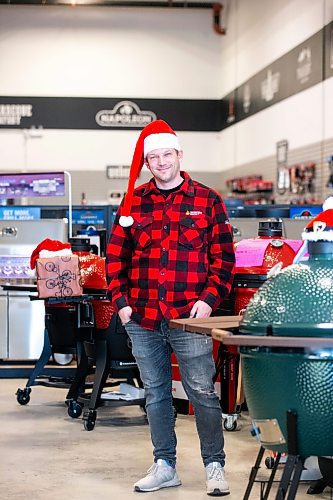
[302, 67]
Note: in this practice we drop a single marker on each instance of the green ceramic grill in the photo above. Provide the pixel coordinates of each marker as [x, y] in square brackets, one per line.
[279, 379]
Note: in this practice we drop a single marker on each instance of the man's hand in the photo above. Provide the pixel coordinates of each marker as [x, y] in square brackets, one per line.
[200, 310]
[125, 314]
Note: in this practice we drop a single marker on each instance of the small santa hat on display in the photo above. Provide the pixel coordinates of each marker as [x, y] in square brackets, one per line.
[47, 244]
[156, 135]
[321, 227]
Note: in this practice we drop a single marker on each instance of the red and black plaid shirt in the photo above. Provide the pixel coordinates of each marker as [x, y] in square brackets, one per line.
[179, 250]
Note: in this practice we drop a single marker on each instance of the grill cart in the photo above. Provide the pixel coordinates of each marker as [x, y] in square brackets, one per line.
[68, 321]
[109, 350]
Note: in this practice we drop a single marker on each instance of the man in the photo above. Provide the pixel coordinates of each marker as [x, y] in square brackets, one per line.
[171, 256]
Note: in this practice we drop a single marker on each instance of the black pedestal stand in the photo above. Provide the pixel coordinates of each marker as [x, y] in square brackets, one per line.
[265, 486]
[73, 345]
[105, 366]
[289, 482]
[295, 463]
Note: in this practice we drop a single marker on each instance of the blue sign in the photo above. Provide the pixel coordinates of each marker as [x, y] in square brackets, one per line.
[88, 217]
[24, 213]
[304, 212]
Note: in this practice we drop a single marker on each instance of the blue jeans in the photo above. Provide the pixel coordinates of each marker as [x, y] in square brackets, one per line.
[152, 351]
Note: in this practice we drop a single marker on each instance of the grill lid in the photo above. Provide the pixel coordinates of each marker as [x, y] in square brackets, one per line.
[298, 301]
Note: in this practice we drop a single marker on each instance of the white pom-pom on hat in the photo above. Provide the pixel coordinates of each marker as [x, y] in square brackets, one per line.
[328, 203]
[126, 221]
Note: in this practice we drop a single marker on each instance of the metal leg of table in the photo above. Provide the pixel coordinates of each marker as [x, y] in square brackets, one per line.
[101, 372]
[43, 359]
[78, 384]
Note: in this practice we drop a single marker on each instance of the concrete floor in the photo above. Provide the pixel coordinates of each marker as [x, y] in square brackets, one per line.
[46, 455]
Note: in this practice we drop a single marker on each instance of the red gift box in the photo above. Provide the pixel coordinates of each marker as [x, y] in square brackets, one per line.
[58, 276]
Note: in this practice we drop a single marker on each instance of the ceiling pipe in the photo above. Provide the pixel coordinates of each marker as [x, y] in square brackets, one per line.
[216, 7]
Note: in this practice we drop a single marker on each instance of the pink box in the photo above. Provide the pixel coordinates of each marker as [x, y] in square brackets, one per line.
[58, 276]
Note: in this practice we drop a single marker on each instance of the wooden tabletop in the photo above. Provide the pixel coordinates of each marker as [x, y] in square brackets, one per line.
[226, 337]
[206, 325]
[221, 328]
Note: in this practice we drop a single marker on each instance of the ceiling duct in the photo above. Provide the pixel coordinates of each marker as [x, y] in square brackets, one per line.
[214, 6]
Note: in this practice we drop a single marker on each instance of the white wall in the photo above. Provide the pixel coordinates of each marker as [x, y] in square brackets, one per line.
[260, 32]
[153, 53]
[105, 52]
[299, 119]
[94, 149]
[102, 52]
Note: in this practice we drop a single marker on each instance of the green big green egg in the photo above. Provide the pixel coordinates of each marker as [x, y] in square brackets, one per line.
[297, 302]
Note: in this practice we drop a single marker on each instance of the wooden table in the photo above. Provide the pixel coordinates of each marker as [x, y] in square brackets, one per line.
[222, 328]
[270, 341]
[206, 325]
[215, 326]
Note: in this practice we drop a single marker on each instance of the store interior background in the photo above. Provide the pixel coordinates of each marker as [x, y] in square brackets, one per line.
[68, 51]
[140, 53]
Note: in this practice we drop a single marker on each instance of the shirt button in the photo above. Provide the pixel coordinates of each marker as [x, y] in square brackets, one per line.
[165, 227]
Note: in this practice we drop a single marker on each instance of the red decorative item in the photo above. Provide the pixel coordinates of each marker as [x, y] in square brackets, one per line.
[47, 244]
[157, 134]
[103, 311]
[264, 252]
[93, 276]
[92, 270]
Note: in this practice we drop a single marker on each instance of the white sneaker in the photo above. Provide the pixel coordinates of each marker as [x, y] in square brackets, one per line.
[216, 483]
[160, 475]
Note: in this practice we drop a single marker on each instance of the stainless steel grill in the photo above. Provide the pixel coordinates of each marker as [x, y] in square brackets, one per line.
[22, 321]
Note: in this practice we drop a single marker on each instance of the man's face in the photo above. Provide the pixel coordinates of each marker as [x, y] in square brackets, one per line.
[164, 164]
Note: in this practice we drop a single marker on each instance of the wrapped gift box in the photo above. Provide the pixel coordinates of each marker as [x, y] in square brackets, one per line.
[58, 276]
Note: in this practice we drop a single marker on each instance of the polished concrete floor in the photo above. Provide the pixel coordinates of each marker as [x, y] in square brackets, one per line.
[46, 455]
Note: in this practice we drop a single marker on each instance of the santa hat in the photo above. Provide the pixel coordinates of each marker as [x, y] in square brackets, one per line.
[321, 227]
[156, 135]
[47, 244]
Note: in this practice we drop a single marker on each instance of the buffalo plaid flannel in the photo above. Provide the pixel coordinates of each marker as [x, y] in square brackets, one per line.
[179, 250]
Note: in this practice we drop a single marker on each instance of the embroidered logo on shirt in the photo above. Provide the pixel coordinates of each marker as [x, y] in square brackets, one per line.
[193, 212]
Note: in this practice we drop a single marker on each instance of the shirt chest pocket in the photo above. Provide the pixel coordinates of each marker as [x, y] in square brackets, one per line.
[141, 232]
[193, 232]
